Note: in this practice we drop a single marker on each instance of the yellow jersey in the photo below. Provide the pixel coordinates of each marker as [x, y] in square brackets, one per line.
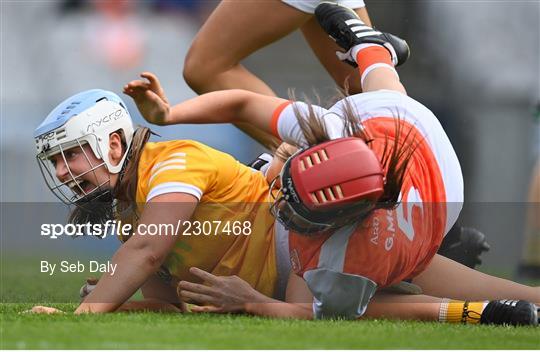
[229, 193]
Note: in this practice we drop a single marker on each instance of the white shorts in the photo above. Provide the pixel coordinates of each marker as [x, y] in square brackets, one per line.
[308, 6]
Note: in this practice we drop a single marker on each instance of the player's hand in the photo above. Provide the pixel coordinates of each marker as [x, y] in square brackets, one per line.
[149, 98]
[43, 310]
[219, 294]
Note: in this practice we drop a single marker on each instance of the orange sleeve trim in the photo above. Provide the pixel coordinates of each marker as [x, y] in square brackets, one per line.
[275, 118]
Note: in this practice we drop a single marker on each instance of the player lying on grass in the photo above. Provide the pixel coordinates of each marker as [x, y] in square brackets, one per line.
[90, 155]
[415, 187]
[83, 143]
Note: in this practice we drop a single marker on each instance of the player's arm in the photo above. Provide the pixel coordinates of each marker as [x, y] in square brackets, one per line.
[297, 302]
[149, 305]
[231, 106]
[221, 294]
[158, 297]
[228, 106]
[142, 255]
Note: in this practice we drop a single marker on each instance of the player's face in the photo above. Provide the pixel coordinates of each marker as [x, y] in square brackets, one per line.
[80, 170]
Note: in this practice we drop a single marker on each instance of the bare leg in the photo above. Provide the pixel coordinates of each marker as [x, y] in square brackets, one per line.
[404, 307]
[382, 78]
[233, 31]
[325, 50]
[382, 305]
[447, 278]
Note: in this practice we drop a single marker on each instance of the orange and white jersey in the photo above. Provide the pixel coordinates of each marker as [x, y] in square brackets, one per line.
[229, 193]
[390, 245]
[378, 112]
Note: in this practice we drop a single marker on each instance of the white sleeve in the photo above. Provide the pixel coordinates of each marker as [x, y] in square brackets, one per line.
[289, 129]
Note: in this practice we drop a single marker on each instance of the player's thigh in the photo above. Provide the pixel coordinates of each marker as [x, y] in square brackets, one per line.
[238, 28]
[325, 50]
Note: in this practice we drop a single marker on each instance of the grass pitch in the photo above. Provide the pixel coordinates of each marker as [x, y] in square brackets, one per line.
[194, 331]
[22, 286]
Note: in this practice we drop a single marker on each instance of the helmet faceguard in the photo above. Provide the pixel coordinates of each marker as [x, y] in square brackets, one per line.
[329, 185]
[85, 119]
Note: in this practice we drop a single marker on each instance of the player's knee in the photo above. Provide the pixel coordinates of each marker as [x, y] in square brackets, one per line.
[193, 73]
[198, 72]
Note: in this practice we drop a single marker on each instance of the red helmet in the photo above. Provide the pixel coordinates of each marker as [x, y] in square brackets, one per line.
[328, 185]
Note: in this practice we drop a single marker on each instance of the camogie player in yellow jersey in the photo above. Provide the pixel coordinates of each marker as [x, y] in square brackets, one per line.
[91, 156]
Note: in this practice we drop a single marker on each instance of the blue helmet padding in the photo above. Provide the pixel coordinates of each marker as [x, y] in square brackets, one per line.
[73, 106]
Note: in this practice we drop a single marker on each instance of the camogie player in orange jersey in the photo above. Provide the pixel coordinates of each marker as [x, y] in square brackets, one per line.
[91, 156]
[365, 212]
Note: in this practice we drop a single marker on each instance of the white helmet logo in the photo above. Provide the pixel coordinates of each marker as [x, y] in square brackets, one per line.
[103, 121]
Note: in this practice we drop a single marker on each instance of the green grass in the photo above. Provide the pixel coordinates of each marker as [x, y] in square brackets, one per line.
[22, 286]
[191, 331]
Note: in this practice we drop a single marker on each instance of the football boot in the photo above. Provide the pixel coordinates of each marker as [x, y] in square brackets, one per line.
[510, 312]
[345, 27]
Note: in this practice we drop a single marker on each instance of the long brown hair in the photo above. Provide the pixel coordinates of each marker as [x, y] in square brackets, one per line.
[125, 191]
[395, 157]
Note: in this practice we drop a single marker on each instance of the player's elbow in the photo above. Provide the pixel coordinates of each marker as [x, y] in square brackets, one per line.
[149, 256]
[152, 259]
[243, 104]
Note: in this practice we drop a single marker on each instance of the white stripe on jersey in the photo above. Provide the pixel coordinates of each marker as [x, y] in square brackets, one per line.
[168, 162]
[173, 156]
[176, 159]
[333, 250]
[174, 187]
[165, 168]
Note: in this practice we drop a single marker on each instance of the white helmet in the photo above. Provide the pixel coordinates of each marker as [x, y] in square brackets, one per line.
[87, 117]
